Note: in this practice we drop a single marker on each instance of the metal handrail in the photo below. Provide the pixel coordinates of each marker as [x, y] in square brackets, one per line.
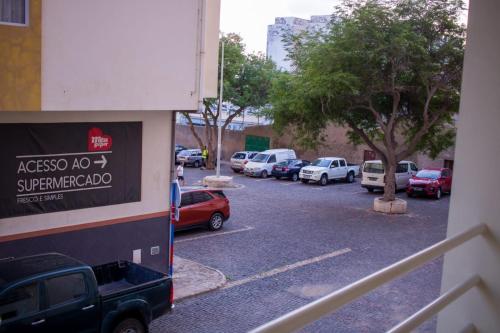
[313, 311]
[435, 306]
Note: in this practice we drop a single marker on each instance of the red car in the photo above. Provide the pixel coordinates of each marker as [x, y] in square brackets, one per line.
[202, 207]
[430, 182]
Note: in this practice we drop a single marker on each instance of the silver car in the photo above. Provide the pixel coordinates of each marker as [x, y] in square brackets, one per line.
[240, 158]
[190, 157]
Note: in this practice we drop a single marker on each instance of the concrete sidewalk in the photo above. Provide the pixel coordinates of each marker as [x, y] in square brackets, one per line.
[192, 278]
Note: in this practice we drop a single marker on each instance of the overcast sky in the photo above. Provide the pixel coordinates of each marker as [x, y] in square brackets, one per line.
[250, 18]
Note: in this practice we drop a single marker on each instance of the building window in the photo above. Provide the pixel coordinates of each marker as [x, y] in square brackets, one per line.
[14, 12]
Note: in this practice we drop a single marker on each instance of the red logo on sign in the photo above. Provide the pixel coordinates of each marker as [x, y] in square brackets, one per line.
[97, 141]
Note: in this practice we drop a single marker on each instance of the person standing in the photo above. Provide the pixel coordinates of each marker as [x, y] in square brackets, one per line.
[180, 173]
[204, 156]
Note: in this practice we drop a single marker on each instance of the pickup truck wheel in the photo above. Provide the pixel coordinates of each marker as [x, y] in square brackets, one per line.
[323, 180]
[216, 222]
[196, 164]
[264, 174]
[438, 193]
[350, 177]
[130, 325]
[295, 177]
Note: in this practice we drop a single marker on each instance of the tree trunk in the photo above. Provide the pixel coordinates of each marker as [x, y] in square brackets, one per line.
[211, 146]
[390, 181]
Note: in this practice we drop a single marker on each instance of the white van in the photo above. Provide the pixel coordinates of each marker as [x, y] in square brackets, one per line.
[262, 164]
[374, 175]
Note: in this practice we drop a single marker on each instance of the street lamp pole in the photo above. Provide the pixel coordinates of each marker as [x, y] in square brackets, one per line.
[219, 118]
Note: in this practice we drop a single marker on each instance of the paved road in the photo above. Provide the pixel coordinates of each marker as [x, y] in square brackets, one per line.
[287, 244]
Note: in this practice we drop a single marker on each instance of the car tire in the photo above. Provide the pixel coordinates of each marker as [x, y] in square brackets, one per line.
[409, 195]
[438, 193]
[196, 164]
[277, 177]
[295, 177]
[236, 171]
[129, 325]
[350, 177]
[216, 221]
[263, 174]
[370, 190]
[305, 181]
[323, 181]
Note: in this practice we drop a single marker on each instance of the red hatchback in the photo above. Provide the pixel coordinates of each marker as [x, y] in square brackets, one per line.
[430, 182]
[202, 207]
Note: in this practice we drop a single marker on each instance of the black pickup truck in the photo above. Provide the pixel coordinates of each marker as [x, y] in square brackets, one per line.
[55, 293]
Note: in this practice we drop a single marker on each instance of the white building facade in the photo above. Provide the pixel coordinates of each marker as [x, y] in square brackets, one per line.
[276, 48]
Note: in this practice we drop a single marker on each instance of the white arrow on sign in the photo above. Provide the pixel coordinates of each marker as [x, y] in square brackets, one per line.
[102, 161]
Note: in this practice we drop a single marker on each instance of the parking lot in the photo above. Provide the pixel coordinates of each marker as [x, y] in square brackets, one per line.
[287, 244]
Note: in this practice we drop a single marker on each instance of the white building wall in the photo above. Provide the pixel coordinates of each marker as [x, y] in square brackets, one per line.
[276, 49]
[125, 55]
[156, 152]
[476, 183]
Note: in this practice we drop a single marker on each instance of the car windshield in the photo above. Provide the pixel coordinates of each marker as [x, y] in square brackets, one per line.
[431, 174]
[260, 158]
[374, 168]
[321, 162]
[239, 156]
[282, 163]
[185, 153]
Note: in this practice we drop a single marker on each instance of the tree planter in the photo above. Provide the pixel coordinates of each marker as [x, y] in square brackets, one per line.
[218, 182]
[397, 206]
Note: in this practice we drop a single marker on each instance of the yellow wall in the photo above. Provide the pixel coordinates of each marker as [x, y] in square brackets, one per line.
[20, 63]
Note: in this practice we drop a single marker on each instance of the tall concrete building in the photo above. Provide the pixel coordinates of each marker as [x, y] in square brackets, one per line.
[94, 86]
[276, 49]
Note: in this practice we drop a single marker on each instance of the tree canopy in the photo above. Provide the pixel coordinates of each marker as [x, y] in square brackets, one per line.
[247, 81]
[390, 71]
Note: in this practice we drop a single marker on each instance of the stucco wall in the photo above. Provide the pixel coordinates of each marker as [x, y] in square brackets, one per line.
[474, 198]
[20, 63]
[337, 144]
[124, 54]
[156, 148]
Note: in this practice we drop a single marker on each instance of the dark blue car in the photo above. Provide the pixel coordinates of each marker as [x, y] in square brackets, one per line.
[288, 169]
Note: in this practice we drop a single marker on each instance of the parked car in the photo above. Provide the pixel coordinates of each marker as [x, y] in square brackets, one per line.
[289, 169]
[202, 207]
[190, 157]
[325, 169]
[240, 159]
[430, 182]
[178, 149]
[55, 293]
[374, 175]
[262, 164]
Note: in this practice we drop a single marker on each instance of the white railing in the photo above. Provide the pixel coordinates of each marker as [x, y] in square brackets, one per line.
[313, 311]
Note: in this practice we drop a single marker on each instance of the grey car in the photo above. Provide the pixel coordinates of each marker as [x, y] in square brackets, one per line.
[190, 157]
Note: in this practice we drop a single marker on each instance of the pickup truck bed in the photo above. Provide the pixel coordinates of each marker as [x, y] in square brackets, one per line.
[117, 277]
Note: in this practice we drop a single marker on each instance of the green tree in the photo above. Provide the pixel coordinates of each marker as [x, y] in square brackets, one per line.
[247, 81]
[390, 71]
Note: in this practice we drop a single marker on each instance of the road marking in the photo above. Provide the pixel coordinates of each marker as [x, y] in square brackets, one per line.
[213, 235]
[285, 268]
[292, 183]
[263, 179]
[360, 192]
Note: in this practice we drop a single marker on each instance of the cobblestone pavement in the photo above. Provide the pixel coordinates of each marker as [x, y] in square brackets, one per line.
[287, 244]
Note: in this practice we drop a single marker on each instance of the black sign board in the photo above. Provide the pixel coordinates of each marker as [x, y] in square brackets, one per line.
[63, 166]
